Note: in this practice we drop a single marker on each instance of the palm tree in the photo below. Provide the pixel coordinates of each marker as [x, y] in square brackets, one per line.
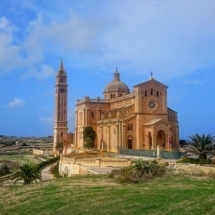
[203, 146]
[28, 173]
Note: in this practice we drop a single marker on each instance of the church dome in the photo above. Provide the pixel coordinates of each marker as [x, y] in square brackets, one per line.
[116, 85]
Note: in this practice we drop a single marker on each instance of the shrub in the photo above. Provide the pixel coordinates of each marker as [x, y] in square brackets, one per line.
[55, 171]
[194, 161]
[139, 171]
[4, 170]
[47, 162]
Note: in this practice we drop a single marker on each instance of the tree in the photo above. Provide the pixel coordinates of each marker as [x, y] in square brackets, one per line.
[203, 146]
[28, 173]
[182, 143]
[59, 147]
[89, 137]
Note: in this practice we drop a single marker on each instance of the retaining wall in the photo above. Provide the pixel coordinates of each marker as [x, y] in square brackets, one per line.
[193, 169]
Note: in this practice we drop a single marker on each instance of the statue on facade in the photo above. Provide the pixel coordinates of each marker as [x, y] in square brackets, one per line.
[158, 152]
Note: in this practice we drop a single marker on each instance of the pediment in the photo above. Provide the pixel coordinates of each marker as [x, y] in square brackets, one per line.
[156, 122]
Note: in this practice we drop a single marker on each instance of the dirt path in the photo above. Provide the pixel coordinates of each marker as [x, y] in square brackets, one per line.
[45, 174]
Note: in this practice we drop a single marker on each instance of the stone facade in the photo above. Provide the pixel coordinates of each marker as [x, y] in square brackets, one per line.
[137, 120]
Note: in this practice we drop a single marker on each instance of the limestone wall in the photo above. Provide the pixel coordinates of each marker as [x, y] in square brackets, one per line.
[44, 152]
[71, 166]
[37, 152]
[193, 169]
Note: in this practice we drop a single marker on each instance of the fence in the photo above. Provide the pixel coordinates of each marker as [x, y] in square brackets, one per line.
[152, 153]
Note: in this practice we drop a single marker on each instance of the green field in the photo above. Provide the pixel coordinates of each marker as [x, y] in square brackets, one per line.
[99, 195]
[18, 160]
[25, 158]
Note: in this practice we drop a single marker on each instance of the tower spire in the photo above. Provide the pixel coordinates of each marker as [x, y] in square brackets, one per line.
[61, 65]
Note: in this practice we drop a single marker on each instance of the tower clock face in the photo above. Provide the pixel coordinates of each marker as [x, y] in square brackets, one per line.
[62, 90]
[151, 104]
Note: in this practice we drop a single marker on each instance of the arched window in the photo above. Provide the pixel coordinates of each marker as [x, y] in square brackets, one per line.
[151, 91]
[128, 126]
[157, 93]
[150, 139]
[131, 127]
[145, 93]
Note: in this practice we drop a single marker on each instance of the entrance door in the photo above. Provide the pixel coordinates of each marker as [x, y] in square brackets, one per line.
[161, 139]
[129, 143]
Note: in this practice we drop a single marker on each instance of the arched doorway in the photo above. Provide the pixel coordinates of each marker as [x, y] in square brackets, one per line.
[161, 139]
[129, 142]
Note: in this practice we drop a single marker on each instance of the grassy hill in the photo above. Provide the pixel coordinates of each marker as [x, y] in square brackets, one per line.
[98, 195]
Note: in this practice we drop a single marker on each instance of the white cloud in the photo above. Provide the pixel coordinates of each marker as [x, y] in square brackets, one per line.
[16, 103]
[193, 82]
[3, 23]
[45, 71]
[49, 120]
[171, 38]
[9, 52]
[46, 120]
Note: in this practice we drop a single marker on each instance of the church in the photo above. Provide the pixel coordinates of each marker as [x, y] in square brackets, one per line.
[137, 119]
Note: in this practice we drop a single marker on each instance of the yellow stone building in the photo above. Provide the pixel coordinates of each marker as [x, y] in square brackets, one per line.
[133, 120]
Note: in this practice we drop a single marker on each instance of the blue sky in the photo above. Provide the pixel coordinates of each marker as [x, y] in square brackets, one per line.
[174, 39]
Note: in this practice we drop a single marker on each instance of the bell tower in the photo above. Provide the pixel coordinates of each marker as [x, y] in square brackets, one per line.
[60, 117]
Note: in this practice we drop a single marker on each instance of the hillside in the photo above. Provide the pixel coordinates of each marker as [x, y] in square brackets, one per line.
[100, 195]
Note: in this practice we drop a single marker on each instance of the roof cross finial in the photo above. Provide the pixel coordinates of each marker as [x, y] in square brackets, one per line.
[116, 75]
[151, 75]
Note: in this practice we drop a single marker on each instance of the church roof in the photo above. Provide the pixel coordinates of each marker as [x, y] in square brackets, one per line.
[116, 85]
[151, 80]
